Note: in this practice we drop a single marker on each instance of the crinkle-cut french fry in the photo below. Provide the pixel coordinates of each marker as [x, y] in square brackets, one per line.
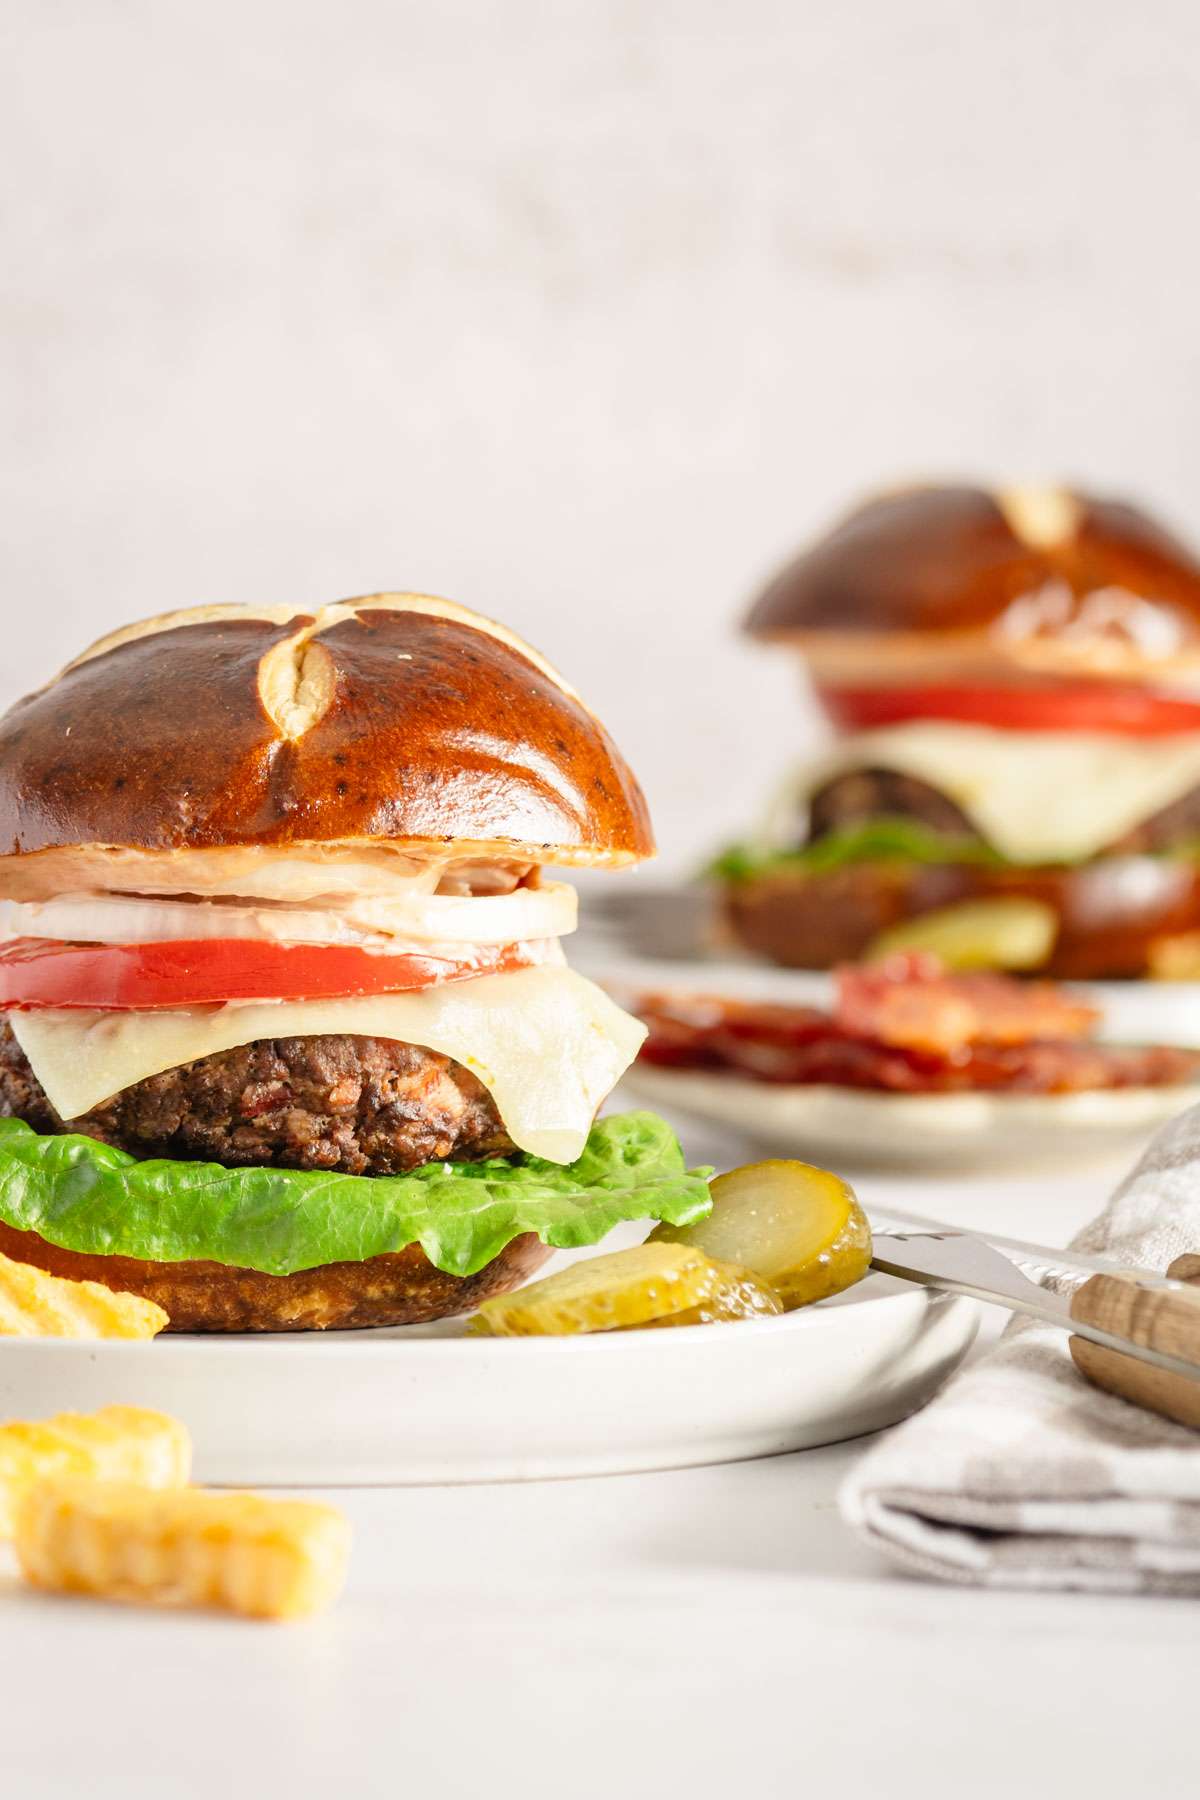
[118, 1443]
[35, 1304]
[267, 1559]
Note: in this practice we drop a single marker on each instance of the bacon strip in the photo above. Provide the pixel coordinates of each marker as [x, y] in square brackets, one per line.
[802, 1045]
[909, 1001]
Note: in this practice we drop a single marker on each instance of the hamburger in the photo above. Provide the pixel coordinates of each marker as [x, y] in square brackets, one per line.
[287, 1036]
[1013, 683]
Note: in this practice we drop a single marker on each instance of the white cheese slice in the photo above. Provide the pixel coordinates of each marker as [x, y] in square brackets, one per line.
[547, 1044]
[1036, 796]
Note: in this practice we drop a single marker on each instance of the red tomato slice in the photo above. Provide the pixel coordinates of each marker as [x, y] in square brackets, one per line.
[1081, 706]
[44, 972]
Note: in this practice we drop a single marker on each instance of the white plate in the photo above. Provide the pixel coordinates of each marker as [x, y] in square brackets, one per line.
[854, 1129]
[427, 1404]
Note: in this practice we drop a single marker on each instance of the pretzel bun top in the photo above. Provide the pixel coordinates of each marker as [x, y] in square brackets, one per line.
[397, 721]
[1028, 582]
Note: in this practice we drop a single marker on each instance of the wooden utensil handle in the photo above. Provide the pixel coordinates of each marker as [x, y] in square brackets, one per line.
[1159, 1321]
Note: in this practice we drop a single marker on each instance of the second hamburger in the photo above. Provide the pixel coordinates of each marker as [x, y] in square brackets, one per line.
[1013, 678]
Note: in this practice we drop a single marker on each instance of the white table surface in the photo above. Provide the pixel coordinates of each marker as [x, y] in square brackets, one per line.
[706, 1632]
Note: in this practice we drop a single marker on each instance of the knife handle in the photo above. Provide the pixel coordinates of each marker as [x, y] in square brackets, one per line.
[1156, 1320]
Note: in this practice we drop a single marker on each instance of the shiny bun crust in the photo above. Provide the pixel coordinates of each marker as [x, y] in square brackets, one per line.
[1041, 581]
[397, 719]
[399, 1289]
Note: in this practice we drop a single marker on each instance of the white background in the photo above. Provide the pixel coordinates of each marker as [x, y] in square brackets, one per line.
[583, 312]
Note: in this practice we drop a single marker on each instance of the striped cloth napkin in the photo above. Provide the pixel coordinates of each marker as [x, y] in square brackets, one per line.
[1021, 1474]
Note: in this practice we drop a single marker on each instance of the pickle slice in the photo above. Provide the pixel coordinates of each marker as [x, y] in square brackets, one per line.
[1010, 932]
[603, 1293]
[800, 1229]
[1174, 958]
[740, 1295]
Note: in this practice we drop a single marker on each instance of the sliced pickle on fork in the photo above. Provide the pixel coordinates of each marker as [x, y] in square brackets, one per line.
[643, 1286]
[798, 1228]
[740, 1295]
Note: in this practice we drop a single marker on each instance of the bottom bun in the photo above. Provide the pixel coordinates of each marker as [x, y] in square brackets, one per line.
[399, 1289]
[1111, 912]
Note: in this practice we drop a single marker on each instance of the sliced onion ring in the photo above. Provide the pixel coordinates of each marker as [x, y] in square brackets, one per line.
[375, 924]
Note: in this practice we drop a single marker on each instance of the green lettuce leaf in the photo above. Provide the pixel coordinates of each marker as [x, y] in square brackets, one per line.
[889, 839]
[92, 1198]
[884, 839]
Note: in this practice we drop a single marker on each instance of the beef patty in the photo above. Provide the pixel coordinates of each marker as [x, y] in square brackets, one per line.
[357, 1105]
[859, 795]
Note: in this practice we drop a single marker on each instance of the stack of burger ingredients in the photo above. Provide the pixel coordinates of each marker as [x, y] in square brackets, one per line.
[288, 1037]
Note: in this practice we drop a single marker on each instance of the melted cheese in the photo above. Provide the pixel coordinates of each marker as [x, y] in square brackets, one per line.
[1036, 796]
[547, 1044]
